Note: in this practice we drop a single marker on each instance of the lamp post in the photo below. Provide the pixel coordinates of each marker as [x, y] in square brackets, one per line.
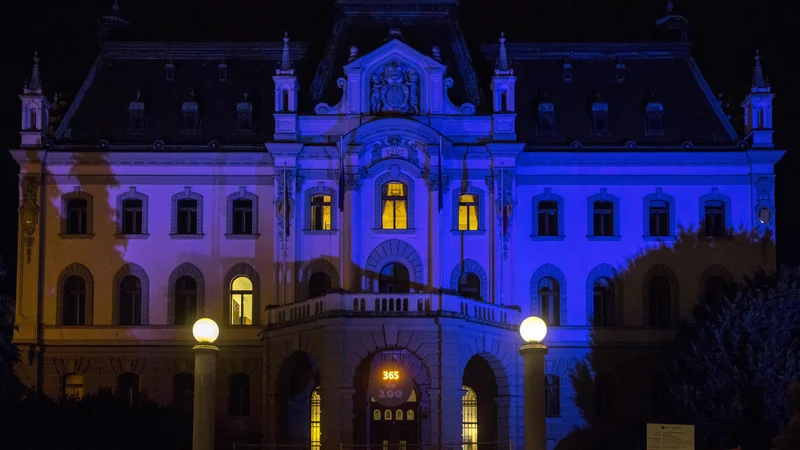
[533, 330]
[206, 332]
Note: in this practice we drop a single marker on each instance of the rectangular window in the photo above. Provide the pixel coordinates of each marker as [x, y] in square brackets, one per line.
[659, 218]
[132, 216]
[715, 225]
[467, 212]
[316, 420]
[187, 216]
[77, 215]
[548, 218]
[654, 126]
[395, 207]
[321, 212]
[603, 218]
[600, 119]
[242, 220]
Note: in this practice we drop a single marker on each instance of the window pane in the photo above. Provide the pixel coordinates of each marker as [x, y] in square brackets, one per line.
[401, 219]
[242, 284]
[388, 214]
[73, 385]
[316, 419]
[462, 217]
[469, 419]
[395, 189]
[473, 218]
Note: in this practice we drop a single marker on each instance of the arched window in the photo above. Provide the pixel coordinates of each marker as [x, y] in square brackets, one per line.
[469, 419]
[183, 391]
[128, 388]
[552, 395]
[467, 212]
[130, 300]
[185, 300]
[73, 385]
[550, 301]
[469, 285]
[241, 301]
[394, 278]
[659, 301]
[715, 287]
[321, 212]
[74, 301]
[319, 284]
[316, 419]
[239, 394]
[604, 304]
[394, 196]
[715, 225]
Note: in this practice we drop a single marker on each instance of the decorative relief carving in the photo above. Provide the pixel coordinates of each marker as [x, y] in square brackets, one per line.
[352, 182]
[432, 181]
[394, 89]
[29, 214]
[504, 202]
[396, 147]
[765, 186]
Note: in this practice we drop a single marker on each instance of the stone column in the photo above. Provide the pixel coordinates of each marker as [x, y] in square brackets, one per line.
[205, 374]
[533, 379]
[435, 236]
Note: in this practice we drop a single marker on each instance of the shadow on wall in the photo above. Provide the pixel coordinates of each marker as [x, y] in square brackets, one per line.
[621, 385]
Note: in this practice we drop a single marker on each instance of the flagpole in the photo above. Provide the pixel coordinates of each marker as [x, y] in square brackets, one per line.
[503, 226]
[285, 226]
[440, 194]
[341, 195]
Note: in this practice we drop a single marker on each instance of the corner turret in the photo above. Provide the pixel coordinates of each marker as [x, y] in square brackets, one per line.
[758, 109]
[286, 88]
[35, 109]
[503, 116]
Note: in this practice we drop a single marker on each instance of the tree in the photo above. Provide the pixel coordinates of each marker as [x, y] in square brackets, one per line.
[9, 353]
[729, 368]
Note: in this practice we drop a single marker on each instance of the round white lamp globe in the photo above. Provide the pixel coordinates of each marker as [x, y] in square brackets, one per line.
[533, 329]
[205, 331]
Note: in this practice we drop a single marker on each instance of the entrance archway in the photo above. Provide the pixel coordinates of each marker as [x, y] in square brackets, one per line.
[480, 392]
[298, 378]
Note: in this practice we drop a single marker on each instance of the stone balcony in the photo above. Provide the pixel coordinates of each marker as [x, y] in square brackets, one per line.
[393, 305]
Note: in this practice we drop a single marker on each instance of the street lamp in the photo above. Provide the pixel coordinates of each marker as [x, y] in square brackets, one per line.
[533, 330]
[206, 332]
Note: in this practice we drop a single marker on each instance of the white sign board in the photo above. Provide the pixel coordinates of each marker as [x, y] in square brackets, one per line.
[670, 437]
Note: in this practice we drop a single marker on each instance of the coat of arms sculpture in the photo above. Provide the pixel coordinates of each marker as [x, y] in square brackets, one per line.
[394, 89]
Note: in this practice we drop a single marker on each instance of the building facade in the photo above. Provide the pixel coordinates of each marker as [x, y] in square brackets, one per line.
[370, 230]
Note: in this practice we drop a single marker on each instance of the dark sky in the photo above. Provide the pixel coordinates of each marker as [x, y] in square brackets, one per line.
[725, 34]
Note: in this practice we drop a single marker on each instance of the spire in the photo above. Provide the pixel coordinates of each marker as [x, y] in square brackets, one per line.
[502, 60]
[35, 83]
[758, 73]
[286, 58]
[110, 22]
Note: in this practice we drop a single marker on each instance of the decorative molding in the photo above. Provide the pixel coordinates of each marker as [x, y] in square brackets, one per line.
[284, 178]
[185, 269]
[550, 271]
[394, 147]
[187, 194]
[395, 251]
[138, 272]
[546, 196]
[394, 174]
[75, 269]
[394, 88]
[317, 265]
[763, 192]
[655, 196]
[714, 195]
[503, 183]
[211, 51]
[29, 214]
[241, 269]
[77, 194]
[469, 265]
[133, 194]
[352, 182]
[243, 194]
[602, 196]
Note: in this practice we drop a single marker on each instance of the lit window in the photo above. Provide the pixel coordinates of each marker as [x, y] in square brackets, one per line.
[715, 225]
[659, 218]
[73, 385]
[603, 218]
[74, 301]
[659, 299]
[376, 415]
[549, 301]
[395, 206]
[242, 220]
[321, 212]
[467, 212]
[130, 301]
[77, 215]
[187, 216]
[185, 300]
[239, 395]
[132, 216]
[546, 119]
[316, 422]
[398, 415]
[552, 396]
[387, 415]
[469, 285]
[128, 388]
[183, 391]
[394, 278]
[469, 419]
[604, 302]
[241, 301]
[410, 414]
[548, 218]
[600, 118]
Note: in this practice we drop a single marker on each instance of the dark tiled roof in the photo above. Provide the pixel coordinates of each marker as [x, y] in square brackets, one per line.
[100, 111]
[662, 73]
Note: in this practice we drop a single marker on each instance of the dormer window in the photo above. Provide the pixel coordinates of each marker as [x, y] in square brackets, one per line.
[567, 73]
[169, 71]
[654, 126]
[546, 117]
[620, 71]
[244, 116]
[136, 112]
[222, 71]
[600, 118]
[191, 115]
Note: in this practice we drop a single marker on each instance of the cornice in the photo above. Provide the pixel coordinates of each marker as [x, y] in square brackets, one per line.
[718, 158]
[142, 158]
[589, 50]
[201, 50]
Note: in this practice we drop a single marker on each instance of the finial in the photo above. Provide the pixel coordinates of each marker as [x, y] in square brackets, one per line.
[758, 72]
[245, 96]
[191, 96]
[502, 61]
[138, 94]
[286, 60]
[436, 53]
[353, 53]
[670, 7]
[35, 82]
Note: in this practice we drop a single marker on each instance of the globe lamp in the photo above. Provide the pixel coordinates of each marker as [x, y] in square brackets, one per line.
[533, 329]
[205, 331]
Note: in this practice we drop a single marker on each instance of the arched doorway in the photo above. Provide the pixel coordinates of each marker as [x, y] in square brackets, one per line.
[296, 398]
[394, 278]
[479, 423]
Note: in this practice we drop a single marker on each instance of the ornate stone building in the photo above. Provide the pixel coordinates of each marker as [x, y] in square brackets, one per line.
[370, 225]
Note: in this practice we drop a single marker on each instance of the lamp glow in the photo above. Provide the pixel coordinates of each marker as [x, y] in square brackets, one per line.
[205, 330]
[533, 329]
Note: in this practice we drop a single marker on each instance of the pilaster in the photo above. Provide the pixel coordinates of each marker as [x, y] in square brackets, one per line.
[30, 254]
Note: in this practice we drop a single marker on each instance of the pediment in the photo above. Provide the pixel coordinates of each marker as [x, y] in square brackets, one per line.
[395, 50]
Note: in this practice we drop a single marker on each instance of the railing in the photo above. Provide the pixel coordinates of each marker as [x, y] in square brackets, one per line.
[401, 446]
[397, 305]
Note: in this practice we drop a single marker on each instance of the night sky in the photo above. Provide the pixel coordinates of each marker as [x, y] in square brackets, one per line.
[725, 35]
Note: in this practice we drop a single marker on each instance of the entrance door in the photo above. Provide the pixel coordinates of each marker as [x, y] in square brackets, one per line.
[394, 428]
